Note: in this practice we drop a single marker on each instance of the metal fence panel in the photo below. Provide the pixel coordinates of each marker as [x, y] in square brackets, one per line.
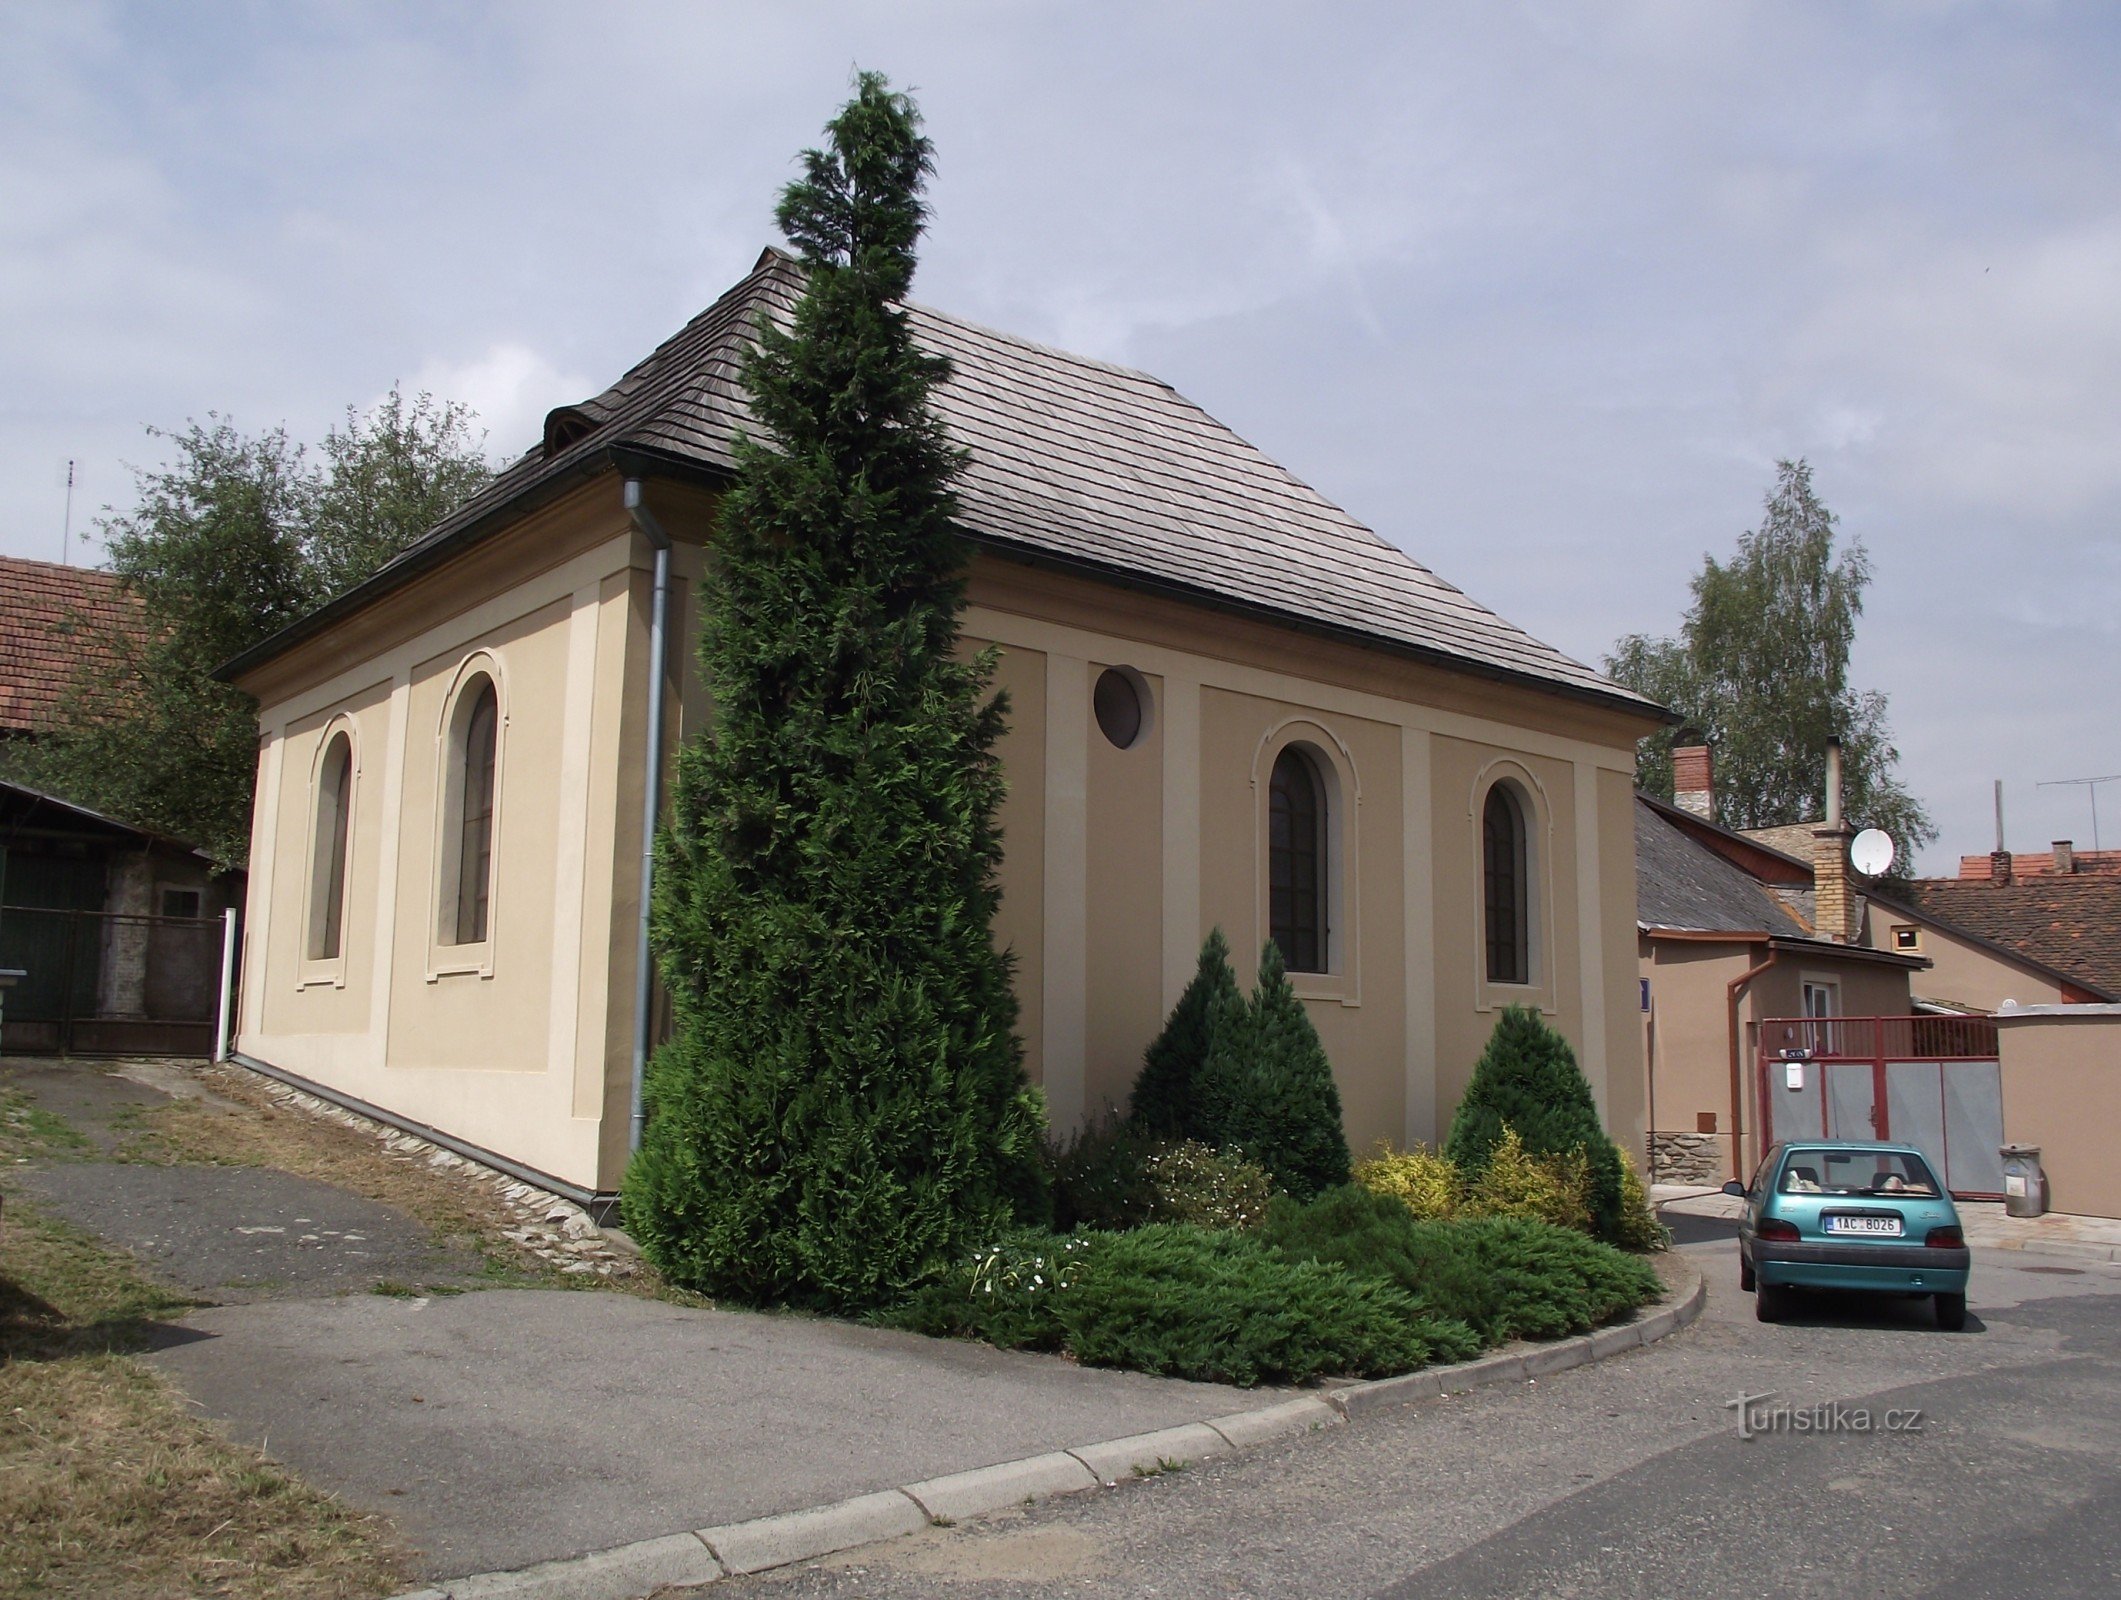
[1973, 1124]
[101, 983]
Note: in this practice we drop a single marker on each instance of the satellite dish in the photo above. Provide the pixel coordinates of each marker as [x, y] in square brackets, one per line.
[1871, 852]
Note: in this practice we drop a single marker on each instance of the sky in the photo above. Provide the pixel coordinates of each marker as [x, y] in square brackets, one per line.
[1541, 292]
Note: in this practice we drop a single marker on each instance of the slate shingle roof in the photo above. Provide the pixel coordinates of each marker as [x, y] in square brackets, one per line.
[41, 642]
[1685, 886]
[2071, 924]
[1072, 460]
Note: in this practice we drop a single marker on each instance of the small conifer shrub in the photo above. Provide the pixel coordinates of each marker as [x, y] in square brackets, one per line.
[1266, 1087]
[1527, 1079]
[1164, 1093]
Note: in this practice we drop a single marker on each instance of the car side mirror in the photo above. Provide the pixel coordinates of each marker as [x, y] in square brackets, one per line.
[1735, 1187]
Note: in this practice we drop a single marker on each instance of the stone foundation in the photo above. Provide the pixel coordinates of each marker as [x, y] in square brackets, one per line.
[1687, 1157]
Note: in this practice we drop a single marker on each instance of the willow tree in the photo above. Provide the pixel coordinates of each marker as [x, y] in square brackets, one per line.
[841, 1108]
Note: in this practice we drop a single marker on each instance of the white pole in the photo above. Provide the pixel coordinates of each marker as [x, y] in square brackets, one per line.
[228, 983]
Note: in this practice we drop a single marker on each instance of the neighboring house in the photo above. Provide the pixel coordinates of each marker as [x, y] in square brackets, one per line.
[1983, 951]
[1230, 705]
[2059, 913]
[1727, 939]
[112, 929]
[54, 620]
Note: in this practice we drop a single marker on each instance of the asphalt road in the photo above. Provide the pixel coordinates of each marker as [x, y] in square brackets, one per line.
[1629, 1478]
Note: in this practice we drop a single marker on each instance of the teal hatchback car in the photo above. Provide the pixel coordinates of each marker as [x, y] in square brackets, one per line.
[1836, 1214]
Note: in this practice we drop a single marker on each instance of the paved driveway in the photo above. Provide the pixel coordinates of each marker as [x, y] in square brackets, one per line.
[511, 1426]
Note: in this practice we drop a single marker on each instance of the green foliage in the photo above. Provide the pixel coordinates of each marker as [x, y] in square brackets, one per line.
[841, 1112]
[232, 540]
[1423, 1180]
[1164, 1092]
[1220, 1307]
[1527, 1079]
[1100, 1177]
[1553, 1188]
[1195, 1183]
[1184, 1302]
[1007, 1294]
[1759, 672]
[1267, 1089]
[1504, 1278]
[392, 475]
[1637, 1227]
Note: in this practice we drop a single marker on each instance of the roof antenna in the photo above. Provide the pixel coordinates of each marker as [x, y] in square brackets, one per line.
[1999, 816]
[66, 547]
[2091, 787]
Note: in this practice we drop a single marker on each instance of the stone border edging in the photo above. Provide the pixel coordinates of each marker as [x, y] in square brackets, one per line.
[683, 1560]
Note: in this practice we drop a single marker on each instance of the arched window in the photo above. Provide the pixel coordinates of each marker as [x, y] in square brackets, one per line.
[468, 836]
[327, 875]
[1296, 862]
[1507, 875]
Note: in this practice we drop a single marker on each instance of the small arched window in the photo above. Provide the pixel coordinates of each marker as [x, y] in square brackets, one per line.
[468, 886]
[1507, 875]
[1296, 862]
[327, 876]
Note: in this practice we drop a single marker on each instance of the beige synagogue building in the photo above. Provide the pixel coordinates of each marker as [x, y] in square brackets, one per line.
[1231, 704]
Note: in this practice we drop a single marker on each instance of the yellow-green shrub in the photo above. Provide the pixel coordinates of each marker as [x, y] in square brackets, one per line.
[1637, 1227]
[1425, 1181]
[1516, 1183]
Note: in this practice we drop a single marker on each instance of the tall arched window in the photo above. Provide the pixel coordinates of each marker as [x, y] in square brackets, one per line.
[1507, 874]
[327, 875]
[467, 886]
[1296, 862]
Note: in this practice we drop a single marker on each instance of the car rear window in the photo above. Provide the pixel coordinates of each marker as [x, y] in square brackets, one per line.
[1856, 1172]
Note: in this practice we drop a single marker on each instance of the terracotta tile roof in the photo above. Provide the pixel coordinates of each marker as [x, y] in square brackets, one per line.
[1070, 460]
[42, 642]
[2040, 864]
[2072, 924]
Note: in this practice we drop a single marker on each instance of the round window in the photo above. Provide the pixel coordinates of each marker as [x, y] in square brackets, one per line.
[1117, 700]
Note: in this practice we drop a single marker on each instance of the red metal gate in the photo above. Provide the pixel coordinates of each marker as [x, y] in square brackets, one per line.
[1932, 1082]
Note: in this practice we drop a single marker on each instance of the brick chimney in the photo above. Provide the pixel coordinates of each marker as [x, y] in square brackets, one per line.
[1999, 866]
[1694, 780]
[2065, 857]
[1834, 913]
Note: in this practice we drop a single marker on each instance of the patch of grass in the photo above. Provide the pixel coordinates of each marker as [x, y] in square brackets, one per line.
[29, 1132]
[108, 1486]
[1163, 1465]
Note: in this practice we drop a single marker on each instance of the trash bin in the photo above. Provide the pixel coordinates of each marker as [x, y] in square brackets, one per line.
[2024, 1184]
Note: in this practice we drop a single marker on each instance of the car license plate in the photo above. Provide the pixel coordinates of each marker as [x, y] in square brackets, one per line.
[1887, 1227]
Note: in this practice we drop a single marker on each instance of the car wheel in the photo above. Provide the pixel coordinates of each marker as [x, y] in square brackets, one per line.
[1745, 1273]
[1771, 1302]
[1951, 1312]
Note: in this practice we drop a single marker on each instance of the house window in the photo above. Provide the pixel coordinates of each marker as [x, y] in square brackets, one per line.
[1507, 901]
[1296, 862]
[467, 885]
[327, 874]
[177, 902]
[1822, 1001]
[1905, 938]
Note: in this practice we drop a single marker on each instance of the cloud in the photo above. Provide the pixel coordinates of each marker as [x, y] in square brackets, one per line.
[511, 386]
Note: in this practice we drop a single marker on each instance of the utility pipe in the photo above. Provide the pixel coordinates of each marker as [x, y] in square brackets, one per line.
[1730, 1003]
[644, 522]
[224, 1018]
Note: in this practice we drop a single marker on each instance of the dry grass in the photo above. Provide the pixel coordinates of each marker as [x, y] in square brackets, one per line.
[242, 1126]
[108, 1485]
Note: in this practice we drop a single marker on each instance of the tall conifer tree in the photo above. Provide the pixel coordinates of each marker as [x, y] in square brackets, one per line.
[842, 1107]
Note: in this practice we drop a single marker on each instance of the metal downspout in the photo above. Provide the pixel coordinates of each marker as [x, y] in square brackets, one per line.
[1730, 1001]
[644, 521]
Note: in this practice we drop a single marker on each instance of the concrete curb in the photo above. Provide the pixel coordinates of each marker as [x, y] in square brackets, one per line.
[687, 1560]
[2068, 1249]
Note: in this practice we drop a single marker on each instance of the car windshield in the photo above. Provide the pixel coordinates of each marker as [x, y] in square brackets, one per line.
[1856, 1172]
